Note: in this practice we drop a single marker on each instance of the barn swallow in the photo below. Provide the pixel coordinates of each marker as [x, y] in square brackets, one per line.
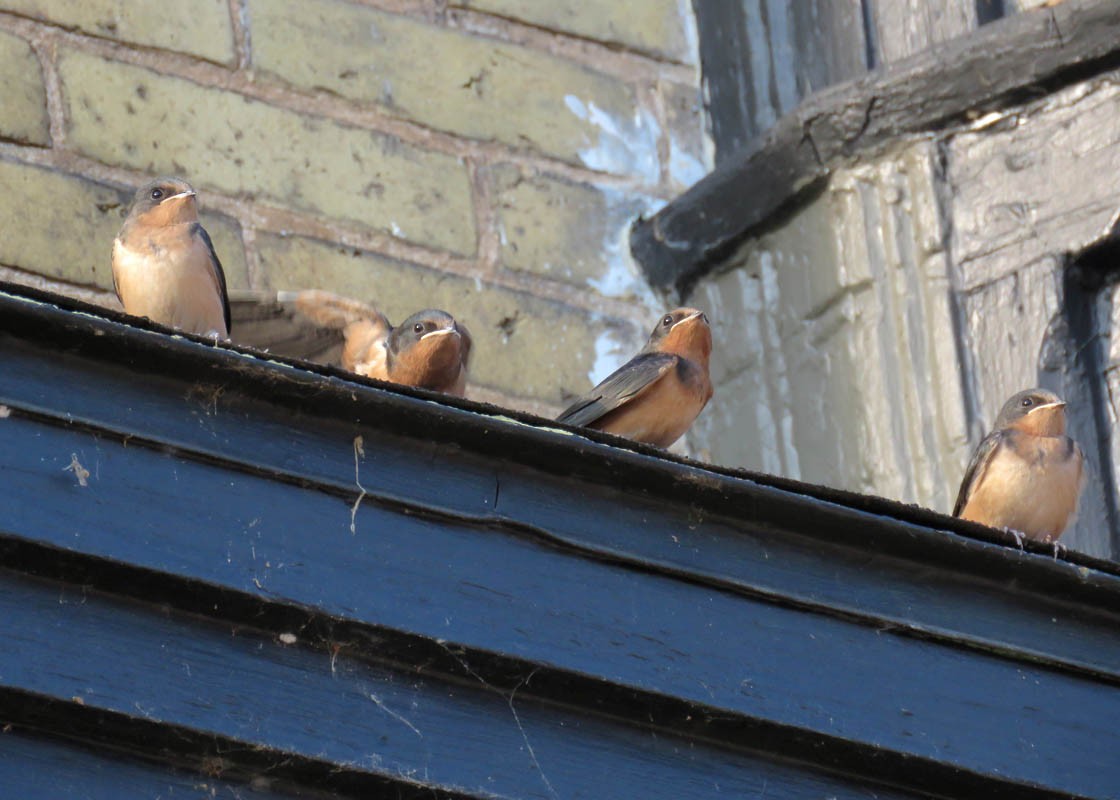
[429, 350]
[164, 264]
[655, 396]
[1026, 474]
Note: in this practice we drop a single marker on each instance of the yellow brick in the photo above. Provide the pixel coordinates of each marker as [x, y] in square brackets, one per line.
[200, 28]
[22, 96]
[652, 26]
[62, 226]
[576, 233]
[126, 115]
[523, 345]
[457, 82]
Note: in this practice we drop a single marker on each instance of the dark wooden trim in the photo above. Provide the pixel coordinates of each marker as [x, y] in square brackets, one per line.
[1005, 63]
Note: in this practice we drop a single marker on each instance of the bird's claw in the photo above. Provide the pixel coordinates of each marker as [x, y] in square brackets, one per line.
[1018, 536]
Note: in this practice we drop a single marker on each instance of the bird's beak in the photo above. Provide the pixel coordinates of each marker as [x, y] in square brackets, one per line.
[1059, 404]
[693, 316]
[440, 332]
[1047, 407]
[182, 197]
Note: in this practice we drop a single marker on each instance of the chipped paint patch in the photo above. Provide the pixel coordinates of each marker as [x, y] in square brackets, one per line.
[625, 146]
[611, 352]
[691, 33]
[685, 169]
[622, 276]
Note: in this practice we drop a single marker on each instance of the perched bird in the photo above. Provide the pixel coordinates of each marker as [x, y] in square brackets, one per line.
[164, 264]
[1027, 474]
[429, 349]
[655, 396]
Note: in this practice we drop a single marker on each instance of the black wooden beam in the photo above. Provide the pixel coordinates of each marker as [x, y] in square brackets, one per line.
[1002, 64]
[742, 619]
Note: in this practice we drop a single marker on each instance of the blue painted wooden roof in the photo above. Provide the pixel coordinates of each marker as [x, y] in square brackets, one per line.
[225, 570]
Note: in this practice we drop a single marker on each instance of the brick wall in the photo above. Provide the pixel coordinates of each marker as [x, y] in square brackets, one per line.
[485, 156]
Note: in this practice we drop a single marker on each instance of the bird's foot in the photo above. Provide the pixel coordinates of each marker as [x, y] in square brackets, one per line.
[1018, 536]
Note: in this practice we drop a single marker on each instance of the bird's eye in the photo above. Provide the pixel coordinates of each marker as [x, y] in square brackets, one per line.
[1027, 402]
[667, 321]
[157, 194]
[418, 327]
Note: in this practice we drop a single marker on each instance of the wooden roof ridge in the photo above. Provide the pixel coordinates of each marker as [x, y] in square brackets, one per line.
[476, 602]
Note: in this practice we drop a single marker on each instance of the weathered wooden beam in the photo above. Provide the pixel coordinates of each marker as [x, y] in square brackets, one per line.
[1001, 64]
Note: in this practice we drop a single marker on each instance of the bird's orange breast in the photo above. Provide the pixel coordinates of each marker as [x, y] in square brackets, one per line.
[167, 275]
[1031, 485]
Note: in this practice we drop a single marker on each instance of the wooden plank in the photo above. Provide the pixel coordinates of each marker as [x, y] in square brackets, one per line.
[518, 574]
[761, 57]
[39, 768]
[499, 592]
[855, 564]
[996, 67]
[909, 27]
[829, 43]
[737, 109]
[377, 726]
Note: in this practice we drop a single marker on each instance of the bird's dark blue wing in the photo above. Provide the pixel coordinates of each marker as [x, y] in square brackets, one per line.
[198, 230]
[625, 383]
[977, 467]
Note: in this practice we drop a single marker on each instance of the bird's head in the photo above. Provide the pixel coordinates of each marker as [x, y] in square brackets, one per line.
[683, 332]
[428, 350]
[164, 201]
[1034, 411]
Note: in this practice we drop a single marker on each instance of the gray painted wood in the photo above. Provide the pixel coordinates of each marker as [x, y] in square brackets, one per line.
[1027, 198]
[906, 27]
[868, 339]
[1000, 66]
[762, 57]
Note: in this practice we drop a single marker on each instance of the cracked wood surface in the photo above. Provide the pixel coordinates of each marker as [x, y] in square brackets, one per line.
[999, 65]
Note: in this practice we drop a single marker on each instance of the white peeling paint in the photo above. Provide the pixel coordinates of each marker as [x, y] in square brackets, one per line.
[611, 352]
[688, 27]
[625, 146]
[783, 427]
[622, 276]
[685, 168]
